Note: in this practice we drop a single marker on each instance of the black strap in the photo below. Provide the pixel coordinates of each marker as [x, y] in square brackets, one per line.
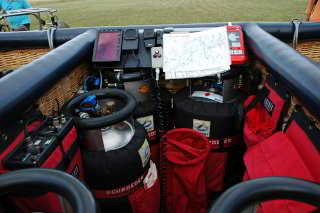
[263, 93]
[307, 126]
[66, 159]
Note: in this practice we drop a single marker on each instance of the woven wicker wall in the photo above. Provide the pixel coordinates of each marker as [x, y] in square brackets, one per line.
[311, 49]
[63, 90]
[13, 59]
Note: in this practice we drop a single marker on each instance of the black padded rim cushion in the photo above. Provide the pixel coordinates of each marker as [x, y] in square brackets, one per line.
[116, 168]
[223, 116]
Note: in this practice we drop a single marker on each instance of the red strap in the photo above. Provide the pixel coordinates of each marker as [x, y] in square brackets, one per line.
[121, 191]
[227, 142]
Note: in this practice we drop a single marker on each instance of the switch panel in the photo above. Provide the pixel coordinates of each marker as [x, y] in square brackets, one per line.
[157, 57]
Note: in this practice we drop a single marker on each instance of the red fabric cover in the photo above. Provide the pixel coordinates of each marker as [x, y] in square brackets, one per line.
[305, 148]
[246, 176]
[155, 154]
[259, 125]
[249, 100]
[146, 201]
[277, 156]
[50, 202]
[215, 170]
[185, 152]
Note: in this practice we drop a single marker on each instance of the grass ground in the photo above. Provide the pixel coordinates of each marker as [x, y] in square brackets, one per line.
[79, 13]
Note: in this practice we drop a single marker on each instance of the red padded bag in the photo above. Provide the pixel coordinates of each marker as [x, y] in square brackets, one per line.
[184, 152]
[264, 112]
[290, 154]
[146, 200]
[215, 171]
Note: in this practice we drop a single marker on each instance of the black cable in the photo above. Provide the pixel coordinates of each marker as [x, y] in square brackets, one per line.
[138, 65]
[125, 61]
[58, 106]
[26, 131]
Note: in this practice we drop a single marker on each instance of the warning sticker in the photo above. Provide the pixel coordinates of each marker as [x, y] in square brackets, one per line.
[147, 122]
[144, 153]
[202, 126]
[151, 177]
[208, 95]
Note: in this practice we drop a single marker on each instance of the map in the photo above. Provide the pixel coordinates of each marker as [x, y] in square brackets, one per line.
[191, 55]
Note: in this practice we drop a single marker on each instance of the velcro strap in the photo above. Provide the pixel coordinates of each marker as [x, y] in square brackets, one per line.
[121, 191]
[219, 144]
[263, 93]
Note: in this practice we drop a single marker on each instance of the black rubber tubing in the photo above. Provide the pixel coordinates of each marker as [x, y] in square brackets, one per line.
[121, 78]
[79, 197]
[265, 189]
[104, 121]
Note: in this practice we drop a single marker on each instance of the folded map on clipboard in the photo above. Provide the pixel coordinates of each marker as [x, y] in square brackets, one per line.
[191, 55]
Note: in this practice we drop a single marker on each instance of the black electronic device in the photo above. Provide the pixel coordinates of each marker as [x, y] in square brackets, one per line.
[130, 40]
[149, 38]
[107, 46]
[34, 150]
[159, 38]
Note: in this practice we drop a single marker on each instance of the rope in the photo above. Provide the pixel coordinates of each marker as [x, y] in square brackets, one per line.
[50, 34]
[296, 23]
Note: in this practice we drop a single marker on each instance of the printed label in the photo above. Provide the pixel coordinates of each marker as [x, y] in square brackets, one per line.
[151, 177]
[144, 153]
[268, 105]
[147, 122]
[152, 135]
[124, 189]
[208, 95]
[202, 127]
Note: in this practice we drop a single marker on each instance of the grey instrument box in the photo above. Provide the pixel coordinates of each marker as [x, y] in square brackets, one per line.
[157, 57]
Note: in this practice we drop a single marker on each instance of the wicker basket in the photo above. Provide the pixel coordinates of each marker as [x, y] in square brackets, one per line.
[62, 91]
[14, 59]
[295, 103]
[310, 49]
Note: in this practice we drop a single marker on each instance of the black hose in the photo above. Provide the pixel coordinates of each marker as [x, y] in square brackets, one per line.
[242, 195]
[121, 78]
[104, 121]
[79, 197]
[133, 76]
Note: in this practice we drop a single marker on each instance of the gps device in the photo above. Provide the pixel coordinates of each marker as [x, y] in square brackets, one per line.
[238, 52]
[107, 47]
